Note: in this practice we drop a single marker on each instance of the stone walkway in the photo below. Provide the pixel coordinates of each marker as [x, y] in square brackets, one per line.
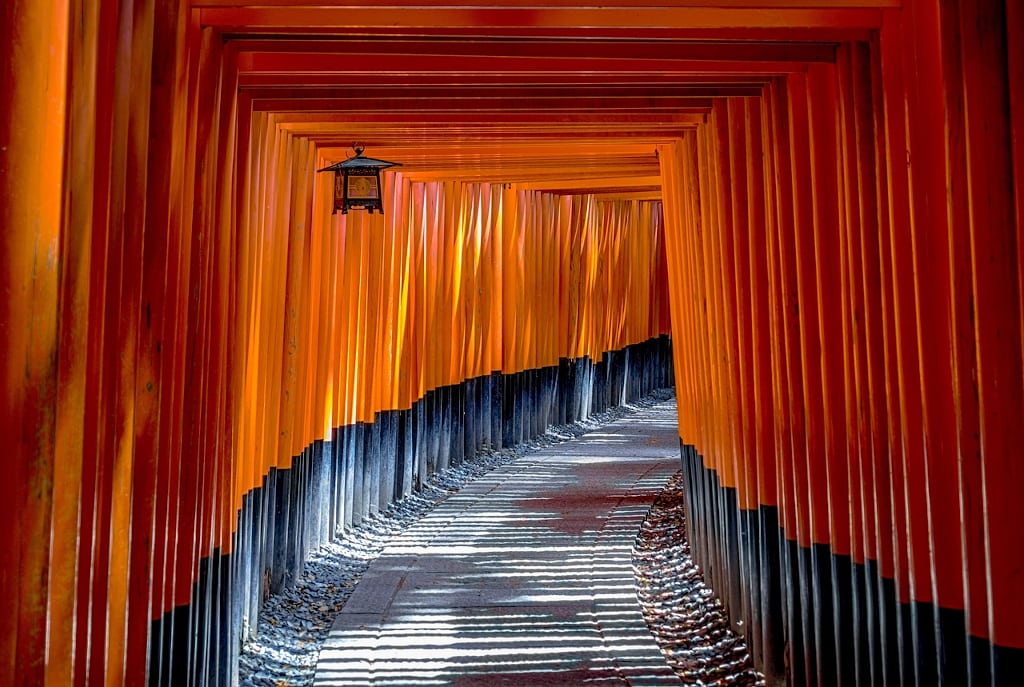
[522, 578]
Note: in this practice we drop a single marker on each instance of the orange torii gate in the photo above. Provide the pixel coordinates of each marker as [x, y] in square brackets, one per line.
[821, 201]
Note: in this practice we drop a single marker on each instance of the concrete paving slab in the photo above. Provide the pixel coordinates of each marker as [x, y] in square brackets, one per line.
[522, 578]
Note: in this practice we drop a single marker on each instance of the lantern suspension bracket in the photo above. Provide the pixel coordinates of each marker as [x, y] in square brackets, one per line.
[357, 181]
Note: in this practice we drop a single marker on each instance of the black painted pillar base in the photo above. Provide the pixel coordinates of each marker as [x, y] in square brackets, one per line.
[814, 617]
[334, 485]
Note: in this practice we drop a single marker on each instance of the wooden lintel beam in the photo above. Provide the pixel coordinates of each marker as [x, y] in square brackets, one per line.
[617, 182]
[500, 110]
[389, 138]
[324, 19]
[643, 196]
[563, 4]
[633, 49]
[502, 96]
[524, 175]
[566, 119]
[458, 65]
[389, 80]
[519, 150]
[833, 34]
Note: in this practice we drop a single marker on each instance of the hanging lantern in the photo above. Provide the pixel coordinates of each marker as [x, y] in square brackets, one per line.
[357, 182]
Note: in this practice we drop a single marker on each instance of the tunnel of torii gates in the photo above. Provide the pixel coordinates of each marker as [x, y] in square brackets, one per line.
[807, 215]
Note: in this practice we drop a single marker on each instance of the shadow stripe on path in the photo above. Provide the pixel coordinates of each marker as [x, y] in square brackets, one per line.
[524, 577]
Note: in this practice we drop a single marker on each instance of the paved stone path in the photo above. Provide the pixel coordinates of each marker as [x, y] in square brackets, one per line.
[522, 578]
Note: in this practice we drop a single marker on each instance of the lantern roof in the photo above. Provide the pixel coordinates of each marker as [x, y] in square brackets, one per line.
[359, 161]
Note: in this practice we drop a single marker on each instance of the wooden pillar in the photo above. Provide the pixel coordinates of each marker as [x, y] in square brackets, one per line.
[32, 141]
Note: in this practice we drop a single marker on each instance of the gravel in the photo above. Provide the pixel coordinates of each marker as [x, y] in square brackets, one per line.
[683, 614]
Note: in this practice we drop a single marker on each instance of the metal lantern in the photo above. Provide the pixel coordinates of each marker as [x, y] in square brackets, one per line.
[357, 182]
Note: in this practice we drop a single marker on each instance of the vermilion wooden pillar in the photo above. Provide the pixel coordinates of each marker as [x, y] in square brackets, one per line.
[880, 208]
[788, 415]
[996, 270]
[32, 138]
[185, 328]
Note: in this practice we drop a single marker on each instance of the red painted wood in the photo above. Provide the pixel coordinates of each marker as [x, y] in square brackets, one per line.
[741, 336]
[849, 227]
[842, 193]
[996, 285]
[810, 376]
[765, 489]
[32, 140]
[431, 19]
[828, 289]
[895, 257]
[786, 351]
